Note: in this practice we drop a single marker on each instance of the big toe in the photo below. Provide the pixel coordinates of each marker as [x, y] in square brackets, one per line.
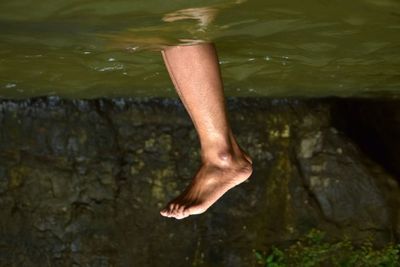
[195, 209]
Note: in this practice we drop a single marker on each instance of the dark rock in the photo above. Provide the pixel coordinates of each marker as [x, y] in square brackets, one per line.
[82, 182]
[375, 126]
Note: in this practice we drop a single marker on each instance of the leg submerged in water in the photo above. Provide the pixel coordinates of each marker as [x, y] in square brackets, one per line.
[194, 70]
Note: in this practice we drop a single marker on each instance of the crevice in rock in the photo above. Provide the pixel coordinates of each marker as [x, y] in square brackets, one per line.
[374, 125]
[313, 199]
[120, 177]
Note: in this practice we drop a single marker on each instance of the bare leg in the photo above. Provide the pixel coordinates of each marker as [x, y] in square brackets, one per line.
[195, 73]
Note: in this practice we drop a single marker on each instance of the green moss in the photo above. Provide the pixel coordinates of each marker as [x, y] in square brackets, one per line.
[159, 188]
[313, 250]
[16, 176]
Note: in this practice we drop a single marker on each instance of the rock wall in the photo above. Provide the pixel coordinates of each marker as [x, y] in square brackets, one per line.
[82, 183]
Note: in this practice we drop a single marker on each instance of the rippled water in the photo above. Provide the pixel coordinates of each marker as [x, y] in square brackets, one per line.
[267, 48]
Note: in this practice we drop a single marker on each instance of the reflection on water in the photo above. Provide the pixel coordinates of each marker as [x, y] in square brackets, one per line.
[274, 48]
[204, 16]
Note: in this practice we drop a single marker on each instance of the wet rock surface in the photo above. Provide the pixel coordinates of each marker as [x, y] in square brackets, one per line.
[82, 183]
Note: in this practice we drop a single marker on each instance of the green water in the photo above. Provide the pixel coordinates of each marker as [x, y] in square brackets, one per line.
[267, 48]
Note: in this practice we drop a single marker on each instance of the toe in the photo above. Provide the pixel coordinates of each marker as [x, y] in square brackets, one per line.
[179, 212]
[185, 212]
[167, 210]
[195, 209]
[171, 208]
[175, 212]
[163, 212]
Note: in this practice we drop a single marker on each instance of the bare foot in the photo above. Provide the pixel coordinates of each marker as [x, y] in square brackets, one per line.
[212, 180]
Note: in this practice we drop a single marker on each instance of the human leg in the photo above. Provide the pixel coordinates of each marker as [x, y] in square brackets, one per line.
[195, 73]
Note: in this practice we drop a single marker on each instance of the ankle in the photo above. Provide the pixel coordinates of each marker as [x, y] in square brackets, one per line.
[223, 152]
[216, 154]
[223, 157]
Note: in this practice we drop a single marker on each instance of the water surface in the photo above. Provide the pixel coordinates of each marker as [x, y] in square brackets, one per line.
[267, 48]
